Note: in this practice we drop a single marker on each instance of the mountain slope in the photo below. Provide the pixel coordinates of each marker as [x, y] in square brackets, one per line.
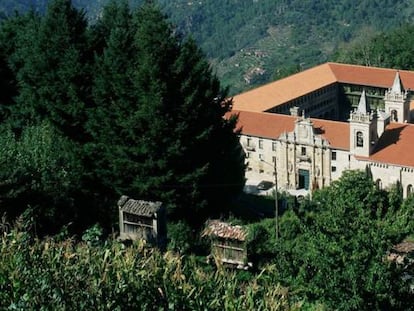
[251, 42]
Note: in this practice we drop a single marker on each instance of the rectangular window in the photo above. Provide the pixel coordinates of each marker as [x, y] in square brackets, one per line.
[333, 155]
[273, 159]
[274, 146]
[303, 151]
[333, 168]
[247, 155]
[261, 157]
[260, 144]
[249, 142]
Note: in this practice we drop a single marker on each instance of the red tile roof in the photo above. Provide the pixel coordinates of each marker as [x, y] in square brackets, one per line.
[279, 92]
[396, 145]
[272, 125]
[337, 133]
[266, 125]
[371, 76]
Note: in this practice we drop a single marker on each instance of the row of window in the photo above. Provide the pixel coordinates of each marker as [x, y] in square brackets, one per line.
[249, 144]
[313, 95]
[274, 146]
[370, 91]
[320, 105]
[284, 108]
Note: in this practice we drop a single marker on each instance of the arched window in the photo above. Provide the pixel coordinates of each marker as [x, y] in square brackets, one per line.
[409, 190]
[378, 183]
[394, 115]
[359, 139]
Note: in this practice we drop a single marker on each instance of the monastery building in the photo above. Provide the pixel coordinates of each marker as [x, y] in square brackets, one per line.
[310, 127]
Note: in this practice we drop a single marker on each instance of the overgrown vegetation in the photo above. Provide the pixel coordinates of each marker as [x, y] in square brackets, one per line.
[63, 275]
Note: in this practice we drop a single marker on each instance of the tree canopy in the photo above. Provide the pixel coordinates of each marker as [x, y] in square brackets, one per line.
[139, 104]
[393, 49]
[333, 249]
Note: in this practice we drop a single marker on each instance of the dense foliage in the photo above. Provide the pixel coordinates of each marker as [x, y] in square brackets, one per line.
[331, 254]
[392, 49]
[53, 275]
[121, 107]
[333, 249]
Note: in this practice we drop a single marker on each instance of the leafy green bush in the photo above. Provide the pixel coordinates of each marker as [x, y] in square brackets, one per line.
[180, 237]
[93, 235]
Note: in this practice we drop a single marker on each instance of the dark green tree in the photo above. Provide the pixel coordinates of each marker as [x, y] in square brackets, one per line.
[12, 30]
[339, 254]
[40, 170]
[7, 87]
[51, 60]
[158, 127]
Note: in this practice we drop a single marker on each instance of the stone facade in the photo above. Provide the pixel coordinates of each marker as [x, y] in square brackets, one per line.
[309, 153]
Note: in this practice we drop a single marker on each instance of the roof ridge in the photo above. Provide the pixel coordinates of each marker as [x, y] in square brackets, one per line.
[366, 67]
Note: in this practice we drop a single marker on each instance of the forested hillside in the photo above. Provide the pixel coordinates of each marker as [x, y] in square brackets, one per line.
[251, 42]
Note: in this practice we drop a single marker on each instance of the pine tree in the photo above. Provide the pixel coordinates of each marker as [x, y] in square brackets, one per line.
[52, 74]
[112, 95]
[158, 128]
[7, 87]
[13, 31]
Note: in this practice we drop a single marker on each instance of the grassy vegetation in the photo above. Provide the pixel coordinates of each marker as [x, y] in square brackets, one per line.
[63, 275]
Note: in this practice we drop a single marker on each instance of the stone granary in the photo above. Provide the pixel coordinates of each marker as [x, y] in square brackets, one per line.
[144, 220]
[228, 243]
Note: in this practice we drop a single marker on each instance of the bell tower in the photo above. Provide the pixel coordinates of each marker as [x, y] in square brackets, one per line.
[363, 129]
[397, 102]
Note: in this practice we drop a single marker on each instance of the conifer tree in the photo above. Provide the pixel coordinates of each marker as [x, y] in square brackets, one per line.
[13, 31]
[112, 93]
[158, 128]
[52, 72]
[7, 87]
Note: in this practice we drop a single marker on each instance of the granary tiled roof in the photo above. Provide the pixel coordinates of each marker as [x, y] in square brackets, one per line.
[138, 207]
[224, 230]
[272, 125]
[281, 91]
[404, 247]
